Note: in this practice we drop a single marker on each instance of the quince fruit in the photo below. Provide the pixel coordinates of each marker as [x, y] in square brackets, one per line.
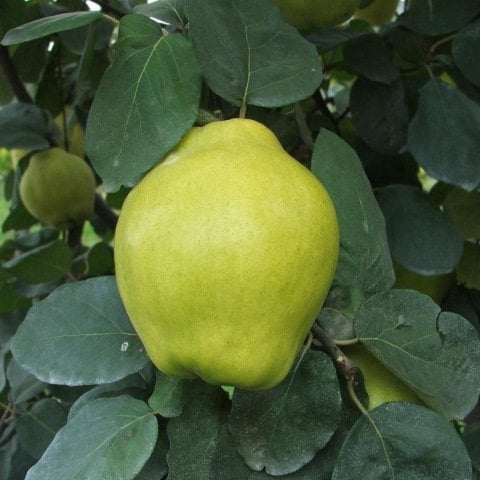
[75, 133]
[435, 286]
[58, 188]
[380, 383]
[310, 14]
[378, 12]
[224, 254]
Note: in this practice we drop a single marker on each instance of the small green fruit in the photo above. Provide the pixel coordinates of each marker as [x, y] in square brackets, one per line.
[380, 383]
[58, 188]
[435, 286]
[75, 134]
[224, 254]
[378, 12]
[309, 14]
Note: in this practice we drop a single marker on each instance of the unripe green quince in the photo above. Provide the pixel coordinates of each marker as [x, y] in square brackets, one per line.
[378, 12]
[380, 383]
[224, 254]
[309, 14]
[435, 286]
[58, 188]
[75, 134]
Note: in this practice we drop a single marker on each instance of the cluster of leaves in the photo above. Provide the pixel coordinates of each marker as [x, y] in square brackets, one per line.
[379, 115]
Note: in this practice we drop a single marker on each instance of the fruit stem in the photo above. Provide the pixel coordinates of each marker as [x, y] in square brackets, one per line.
[346, 367]
[12, 76]
[354, 397]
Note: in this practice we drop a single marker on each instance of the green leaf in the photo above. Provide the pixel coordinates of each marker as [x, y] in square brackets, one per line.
[380, 114]
[368, 55]
[79, 335]
[172, 393]
[403, 442]
[466, 51]
[259, 59]
[364, 261]
[154, 85]
[464, 209]
[133, 385]
[437, 17]
[468, 271]
[24, 126]
[443, 135]
[39, 425]
[435, 353]
[11, 300]
[43, 27]
[46, 263]
[200, 447]
[108, 438]
[168, 11]
[23, 385]
[421, 237]
[156, 467]
[277, 429]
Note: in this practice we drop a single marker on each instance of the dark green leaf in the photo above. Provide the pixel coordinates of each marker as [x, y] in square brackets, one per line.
[154, 84]
[24, 126]
[403, 442]
[156, 467]
[47, 263]
[46, 26]
[171, 394]
[421, 237]
[364, 261]
[466, 51]
[368, 55]
[100, 260]
[131, 385]
[11, 300]
[468, 271]
[443, 135]
[280, 430]
[39, 425]
[437, 17]
[380, 114]
[108, 438]
[200, 447]
[79, 335]
[435, 353]
[23, 385]
[169, 11]
[464, 209]
[259, 59]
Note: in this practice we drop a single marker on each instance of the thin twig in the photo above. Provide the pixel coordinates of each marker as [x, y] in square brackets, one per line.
[346, 367]
[12, 76]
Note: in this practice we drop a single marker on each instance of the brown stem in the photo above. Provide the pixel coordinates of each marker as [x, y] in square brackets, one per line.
[346, 367]
[13, 78]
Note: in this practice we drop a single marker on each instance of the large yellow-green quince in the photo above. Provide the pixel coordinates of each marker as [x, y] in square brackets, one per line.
[224, 254]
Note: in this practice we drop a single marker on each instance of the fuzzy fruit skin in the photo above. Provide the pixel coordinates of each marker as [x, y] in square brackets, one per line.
[379, 12]
[309, 14]
[381, 384]
[58, 188]
[224, 254]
